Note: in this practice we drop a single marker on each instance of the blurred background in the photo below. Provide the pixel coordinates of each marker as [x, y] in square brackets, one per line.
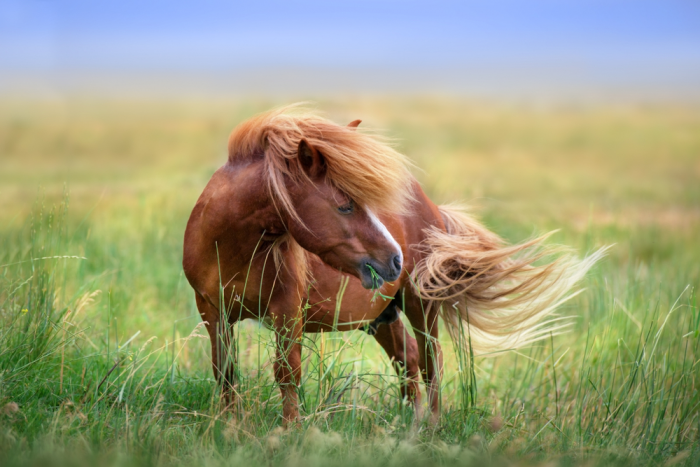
[540, 49]
[574, 114]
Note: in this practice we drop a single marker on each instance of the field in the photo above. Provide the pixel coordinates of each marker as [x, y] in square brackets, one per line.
[103, 360]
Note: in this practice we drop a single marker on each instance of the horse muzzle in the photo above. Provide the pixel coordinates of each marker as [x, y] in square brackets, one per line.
[373, 274]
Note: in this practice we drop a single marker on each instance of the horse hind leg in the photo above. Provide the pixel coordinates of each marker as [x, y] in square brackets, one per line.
[388, 316]
[402, 349]
[425, 326]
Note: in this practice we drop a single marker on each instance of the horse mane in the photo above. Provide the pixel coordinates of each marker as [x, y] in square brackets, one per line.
[362, 165]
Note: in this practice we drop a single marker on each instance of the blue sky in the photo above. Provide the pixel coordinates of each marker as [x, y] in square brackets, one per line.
[625, 38]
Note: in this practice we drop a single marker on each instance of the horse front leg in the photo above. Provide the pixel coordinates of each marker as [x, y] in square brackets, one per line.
[223, 358]
[288, 328]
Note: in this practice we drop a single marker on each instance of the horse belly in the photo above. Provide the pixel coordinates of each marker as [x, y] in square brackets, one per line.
[332, 308]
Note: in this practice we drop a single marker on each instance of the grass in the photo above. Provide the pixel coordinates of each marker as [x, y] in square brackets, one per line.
[103, 359]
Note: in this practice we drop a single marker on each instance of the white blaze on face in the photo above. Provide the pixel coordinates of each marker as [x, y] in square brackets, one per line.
[382, 228]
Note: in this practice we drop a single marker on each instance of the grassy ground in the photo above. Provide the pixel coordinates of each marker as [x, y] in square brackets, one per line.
[102, 359]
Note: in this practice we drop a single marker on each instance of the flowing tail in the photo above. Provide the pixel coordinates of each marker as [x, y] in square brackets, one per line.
[497, 290]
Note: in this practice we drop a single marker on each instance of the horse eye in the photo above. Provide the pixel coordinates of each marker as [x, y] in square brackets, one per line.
[346, 208]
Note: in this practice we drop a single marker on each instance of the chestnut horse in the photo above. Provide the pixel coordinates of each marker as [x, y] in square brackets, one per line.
[304, 206]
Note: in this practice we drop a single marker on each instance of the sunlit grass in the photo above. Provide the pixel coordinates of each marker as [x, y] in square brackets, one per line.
[102, 359]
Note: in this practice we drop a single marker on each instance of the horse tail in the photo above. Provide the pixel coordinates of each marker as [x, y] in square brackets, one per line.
[506, 295]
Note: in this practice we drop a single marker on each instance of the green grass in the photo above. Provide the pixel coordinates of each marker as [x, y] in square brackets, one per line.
[103, 360]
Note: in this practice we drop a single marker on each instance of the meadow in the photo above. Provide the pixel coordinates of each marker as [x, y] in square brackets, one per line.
[103, 360]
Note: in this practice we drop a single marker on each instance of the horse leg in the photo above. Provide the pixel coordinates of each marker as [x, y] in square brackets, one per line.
[222, 354]
[288, 363]
[402, 349]
[429, 351]
[390, 314]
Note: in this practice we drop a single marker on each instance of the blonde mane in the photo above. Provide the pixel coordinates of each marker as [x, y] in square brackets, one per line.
[362, 165]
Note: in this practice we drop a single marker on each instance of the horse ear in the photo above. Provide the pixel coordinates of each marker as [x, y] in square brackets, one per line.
[354, 123]
[311, 160]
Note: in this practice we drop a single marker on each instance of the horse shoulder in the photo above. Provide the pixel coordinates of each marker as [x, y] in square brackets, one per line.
[220, 226]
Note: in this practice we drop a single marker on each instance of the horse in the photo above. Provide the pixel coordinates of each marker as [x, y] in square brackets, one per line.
[304, 207]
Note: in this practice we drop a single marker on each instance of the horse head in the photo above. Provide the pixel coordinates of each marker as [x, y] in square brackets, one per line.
[345, 235]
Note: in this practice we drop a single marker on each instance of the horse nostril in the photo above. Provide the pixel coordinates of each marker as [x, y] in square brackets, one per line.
[397, 262]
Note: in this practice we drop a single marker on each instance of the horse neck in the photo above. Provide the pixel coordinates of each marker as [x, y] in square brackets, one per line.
[257, 203]
[267, 234]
